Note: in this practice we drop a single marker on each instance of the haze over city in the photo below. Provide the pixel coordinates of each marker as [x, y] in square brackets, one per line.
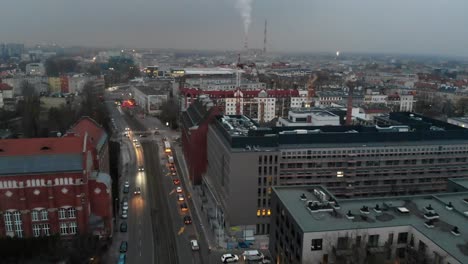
[419, 26]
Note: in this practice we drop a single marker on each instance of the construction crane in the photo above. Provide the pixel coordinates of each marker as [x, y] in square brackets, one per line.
[351, 82]
[311, 90]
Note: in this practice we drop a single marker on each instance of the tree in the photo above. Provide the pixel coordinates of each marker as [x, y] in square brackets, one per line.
[61, 118]
[30, 108]
[56, 66]
[170, 113]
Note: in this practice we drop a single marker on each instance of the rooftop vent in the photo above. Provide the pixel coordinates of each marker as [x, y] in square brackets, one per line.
[364, 210]
[377, 209]
[45, 148]
[455, 231]
[429, 223]
[449, 206]
[349, 215]
[403, 210]
[429, 209]
[431, 215]
[303, 197]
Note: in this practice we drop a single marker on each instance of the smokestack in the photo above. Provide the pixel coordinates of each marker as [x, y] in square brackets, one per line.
[265, 38]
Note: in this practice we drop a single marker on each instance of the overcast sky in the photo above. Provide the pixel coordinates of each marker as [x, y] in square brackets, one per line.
[402, 26]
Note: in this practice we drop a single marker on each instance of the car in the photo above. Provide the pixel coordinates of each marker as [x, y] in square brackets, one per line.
[176, 181]
[127, 129]
[141, 168]
[187, 220]
[123, 227]
[183, 207]
[180, 197]
[123, 247]
[179, 189]
[253, 255]
[137, 144]
[126, 184]
[125, 205]
[122, 258]
[143, 135]
[226, 258]
[194, 244]
[135, 140]
[137, 191]
[126, 189]
[124, 214]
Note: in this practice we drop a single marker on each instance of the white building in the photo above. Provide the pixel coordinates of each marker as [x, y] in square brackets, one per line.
[149, 98]
[35, 69]
[309, 117]
[220, 84]
[310, 225]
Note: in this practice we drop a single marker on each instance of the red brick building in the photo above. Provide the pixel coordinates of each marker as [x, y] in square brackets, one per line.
[195, 121]
[55, 185]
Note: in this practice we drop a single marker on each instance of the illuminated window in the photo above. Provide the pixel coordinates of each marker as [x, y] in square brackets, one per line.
[269, 212]
[339, 174]
[258, 212]
[263, 212]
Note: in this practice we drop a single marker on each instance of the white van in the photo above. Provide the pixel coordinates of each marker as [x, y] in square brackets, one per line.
[252, 255]
[194, 244]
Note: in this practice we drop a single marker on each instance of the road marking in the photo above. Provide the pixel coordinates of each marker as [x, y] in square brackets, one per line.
[172, 192]
[181, 230]
[140, 253]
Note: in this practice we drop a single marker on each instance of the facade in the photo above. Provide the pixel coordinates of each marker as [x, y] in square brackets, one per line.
[397, 102]
[310, 225]
[195, 121]
[260, 105]
[151, 99]
[309, 117]
[53, 186]
[55, 85]
[222, 84]
[415, 156]
[36, 69]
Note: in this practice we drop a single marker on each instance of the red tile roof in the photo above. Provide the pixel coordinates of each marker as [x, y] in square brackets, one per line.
[94, 130]
[4, 86]
[41, 146]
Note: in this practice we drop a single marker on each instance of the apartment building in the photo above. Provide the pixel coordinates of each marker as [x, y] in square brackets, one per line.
[416, 155]
[311, 225]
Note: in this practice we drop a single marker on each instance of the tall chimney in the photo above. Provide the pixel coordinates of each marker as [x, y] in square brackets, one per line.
[265, 38]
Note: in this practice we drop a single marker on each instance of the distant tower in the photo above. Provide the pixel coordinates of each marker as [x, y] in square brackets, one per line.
[246, 43]
[265, 37]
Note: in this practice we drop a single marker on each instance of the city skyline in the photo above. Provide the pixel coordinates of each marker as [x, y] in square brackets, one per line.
[417, 27]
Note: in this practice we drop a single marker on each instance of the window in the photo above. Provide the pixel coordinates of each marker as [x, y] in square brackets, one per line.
[35, 215]
[390, 239]
[342, 243]
[18, 224]
[36, 230]
[316, 244]
[73, 228]
[403, 238]
[62, 213]
[44, 214]
[46, 229]
[7, 217]
[72, 213]
[63, 228]
[358, 241]
[373, 240]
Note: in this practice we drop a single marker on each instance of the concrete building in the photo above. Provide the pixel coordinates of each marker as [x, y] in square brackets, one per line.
[6, 92]
[222, 84]
[55, 85]
[151, 98]
[35, 69]
[459, 121]
[56, 185]
[40, 83]
[417, 155]
[309, 117]
[310, 225]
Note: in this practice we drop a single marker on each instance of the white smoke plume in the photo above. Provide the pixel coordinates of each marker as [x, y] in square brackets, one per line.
[245, 9]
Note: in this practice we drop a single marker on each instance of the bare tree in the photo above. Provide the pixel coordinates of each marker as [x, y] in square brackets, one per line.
[30, 108]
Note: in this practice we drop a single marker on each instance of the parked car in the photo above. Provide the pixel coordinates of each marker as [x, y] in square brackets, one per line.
[123, 247]
[226, 258]
[125, 205]
[187, 220]
[123, 227]
[254, 255]
[194, 244]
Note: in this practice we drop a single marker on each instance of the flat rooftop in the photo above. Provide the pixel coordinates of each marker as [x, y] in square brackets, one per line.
[313, 111]
[406, 128]
[316, 211]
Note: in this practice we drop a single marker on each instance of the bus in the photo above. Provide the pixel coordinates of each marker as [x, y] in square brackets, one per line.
[167, 147]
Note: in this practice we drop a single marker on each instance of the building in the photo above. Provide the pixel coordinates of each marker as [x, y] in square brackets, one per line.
[55, 185]
[150, 98]
[260, 105]
[195, 123]
[36, 69]
[415, 156]
[459, 121]
[6, 92]
[309, 117]
[310, 225]
[218, 84]
[55, 85]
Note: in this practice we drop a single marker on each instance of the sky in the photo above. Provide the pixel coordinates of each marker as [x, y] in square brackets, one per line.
[397, 26]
